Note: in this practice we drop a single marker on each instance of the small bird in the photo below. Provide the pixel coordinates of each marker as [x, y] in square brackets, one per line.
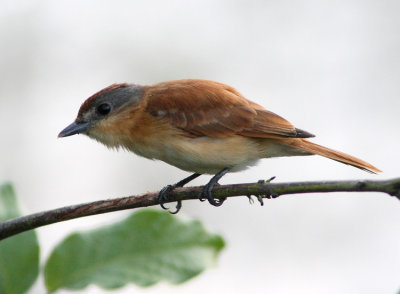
[200, 126]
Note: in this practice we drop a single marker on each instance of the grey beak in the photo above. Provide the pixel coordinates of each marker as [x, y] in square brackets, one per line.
[74, 128]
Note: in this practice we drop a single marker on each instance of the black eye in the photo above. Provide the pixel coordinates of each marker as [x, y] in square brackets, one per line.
[103, 109]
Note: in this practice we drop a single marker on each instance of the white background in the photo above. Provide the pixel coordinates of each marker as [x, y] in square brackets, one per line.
[330, 67]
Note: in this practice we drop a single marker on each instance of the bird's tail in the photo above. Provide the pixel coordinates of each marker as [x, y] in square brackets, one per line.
[313, 148]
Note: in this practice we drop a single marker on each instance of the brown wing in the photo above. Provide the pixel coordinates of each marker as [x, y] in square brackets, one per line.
[207, 108]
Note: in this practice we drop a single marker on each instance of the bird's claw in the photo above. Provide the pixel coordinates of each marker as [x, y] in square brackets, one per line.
[163, 196]
[177, 207]
[207, 194]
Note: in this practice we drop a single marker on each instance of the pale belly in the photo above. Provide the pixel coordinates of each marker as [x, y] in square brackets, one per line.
[207, 155]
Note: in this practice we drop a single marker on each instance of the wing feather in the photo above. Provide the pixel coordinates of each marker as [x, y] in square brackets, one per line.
[207, 108]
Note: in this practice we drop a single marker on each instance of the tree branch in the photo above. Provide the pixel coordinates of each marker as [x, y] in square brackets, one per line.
[261, 189]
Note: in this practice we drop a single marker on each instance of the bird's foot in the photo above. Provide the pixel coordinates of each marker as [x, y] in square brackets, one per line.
[206, 193]
[163, 195]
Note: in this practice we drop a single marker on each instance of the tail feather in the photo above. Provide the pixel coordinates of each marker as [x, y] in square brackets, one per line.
[313, 148]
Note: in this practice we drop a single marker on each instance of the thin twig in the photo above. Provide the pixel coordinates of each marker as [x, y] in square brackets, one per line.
[261, 189]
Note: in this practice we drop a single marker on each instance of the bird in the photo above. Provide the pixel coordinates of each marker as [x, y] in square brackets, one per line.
[199, 126]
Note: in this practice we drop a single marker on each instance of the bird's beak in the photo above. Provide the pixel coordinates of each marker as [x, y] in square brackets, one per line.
[74, 128]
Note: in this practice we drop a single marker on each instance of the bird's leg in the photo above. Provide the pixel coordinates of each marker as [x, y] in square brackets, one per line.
[206, 193]
[163, 195]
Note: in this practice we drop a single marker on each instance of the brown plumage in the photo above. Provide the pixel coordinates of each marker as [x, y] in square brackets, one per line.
[196, 125]
[206, 108]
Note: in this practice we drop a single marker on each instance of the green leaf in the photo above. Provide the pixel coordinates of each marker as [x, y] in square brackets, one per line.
[144, 249]
[19, 255]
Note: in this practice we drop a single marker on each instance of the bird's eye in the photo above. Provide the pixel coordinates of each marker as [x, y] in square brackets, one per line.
[103, 109]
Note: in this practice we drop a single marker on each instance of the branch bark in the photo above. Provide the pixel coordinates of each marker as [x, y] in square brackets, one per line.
[261, 189]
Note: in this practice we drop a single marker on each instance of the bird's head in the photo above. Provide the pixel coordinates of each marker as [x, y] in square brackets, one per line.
[101, 115]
